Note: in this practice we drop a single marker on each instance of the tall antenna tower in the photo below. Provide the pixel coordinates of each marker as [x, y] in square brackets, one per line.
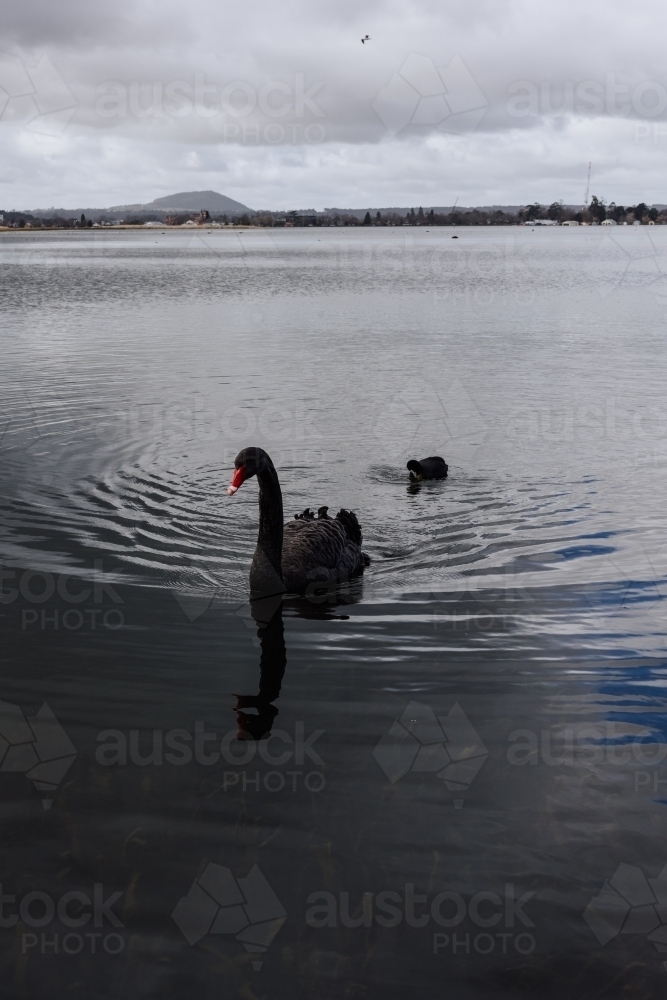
[588, 185]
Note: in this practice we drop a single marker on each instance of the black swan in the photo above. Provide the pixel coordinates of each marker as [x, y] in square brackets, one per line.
[304, 551]
[429, 468]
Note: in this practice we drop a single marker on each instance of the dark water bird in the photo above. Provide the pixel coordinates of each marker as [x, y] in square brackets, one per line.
[304, 551]
[429, 468]
[365, 39]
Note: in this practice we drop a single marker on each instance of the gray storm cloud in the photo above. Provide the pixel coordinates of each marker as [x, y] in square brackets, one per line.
[500, 100]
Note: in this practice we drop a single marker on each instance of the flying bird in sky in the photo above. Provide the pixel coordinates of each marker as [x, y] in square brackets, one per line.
[365, 39]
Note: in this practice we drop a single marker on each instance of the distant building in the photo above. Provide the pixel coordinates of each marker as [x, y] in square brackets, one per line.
[609, 222]
[301, 220]
[571, 223]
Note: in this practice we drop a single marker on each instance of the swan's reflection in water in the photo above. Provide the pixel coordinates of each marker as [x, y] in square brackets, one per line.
[272, 663]
[267, 612]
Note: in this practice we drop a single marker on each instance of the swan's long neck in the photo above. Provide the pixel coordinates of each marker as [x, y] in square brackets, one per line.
[266, 572]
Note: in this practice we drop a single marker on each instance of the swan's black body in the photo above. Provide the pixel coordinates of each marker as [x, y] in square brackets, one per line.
[428, 468]
[304, 551]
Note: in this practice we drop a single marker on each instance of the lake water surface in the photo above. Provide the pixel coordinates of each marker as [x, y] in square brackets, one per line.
[464, 789]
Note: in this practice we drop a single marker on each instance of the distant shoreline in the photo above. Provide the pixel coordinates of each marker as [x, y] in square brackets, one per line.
[262, 229]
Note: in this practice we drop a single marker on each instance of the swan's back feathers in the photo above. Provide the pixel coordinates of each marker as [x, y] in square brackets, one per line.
[352, 527]
[321, 550]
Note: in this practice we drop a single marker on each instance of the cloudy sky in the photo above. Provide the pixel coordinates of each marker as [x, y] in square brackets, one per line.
[281, 106]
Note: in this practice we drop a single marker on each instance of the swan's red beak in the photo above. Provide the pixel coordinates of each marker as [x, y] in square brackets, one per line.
[238, 479]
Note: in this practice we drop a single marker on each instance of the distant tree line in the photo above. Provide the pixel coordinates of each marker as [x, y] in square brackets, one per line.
[23, 220]
[597, 212]
[428, 217]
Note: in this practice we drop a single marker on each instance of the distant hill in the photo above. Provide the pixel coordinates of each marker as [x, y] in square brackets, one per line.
[185, 201]
[188, 201]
